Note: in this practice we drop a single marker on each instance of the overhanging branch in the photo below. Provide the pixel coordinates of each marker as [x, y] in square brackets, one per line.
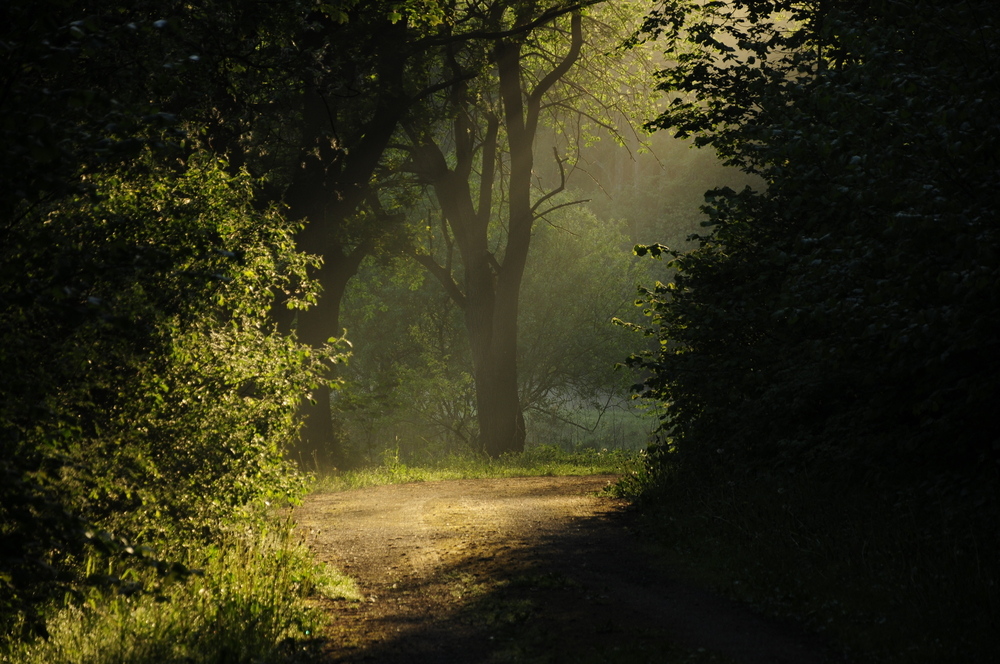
[540, 215]
[443, 275]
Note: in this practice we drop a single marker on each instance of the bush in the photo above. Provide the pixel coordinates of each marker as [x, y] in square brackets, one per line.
[145, 392]
[844, 319]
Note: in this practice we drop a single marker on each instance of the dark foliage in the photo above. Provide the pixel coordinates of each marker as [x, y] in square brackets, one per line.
[846, 318]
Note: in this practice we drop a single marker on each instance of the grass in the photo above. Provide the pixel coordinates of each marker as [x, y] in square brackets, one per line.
[246, 604]
[887, 576]
[543, 460]
[250, 600]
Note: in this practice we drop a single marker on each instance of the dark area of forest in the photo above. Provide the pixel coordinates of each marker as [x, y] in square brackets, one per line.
[243, 241]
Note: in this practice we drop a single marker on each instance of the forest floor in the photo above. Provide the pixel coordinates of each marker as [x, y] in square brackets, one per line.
[533, 569]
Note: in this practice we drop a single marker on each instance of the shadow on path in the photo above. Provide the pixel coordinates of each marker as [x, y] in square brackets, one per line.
[576, 589]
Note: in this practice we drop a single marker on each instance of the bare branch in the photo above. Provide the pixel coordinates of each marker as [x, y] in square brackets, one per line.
[443, 275]
[489, 169]
[602, 410]
[560, 188]
[613, 131]
[541, 215]
[560, 70]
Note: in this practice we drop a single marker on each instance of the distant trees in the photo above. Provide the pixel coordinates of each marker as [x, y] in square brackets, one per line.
[409, 386]
[845, 317]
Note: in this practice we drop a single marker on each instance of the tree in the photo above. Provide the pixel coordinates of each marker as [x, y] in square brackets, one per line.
[144, 396]
[482, 173]
[491, 287]
[831, 320]
[409, 386]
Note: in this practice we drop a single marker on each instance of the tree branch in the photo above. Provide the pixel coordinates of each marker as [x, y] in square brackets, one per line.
[485, 208]
[576, 43]
[540, 215]
[562, 182]
[442, 275]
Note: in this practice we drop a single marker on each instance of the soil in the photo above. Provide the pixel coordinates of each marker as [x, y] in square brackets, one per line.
[535, 569]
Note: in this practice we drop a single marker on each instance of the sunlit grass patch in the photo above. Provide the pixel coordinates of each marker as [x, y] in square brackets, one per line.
[247, 603]
[542, 460]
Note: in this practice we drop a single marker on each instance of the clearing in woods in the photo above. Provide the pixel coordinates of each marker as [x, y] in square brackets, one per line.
[533, 569]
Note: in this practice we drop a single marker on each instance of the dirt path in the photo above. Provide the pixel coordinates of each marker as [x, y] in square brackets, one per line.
[536, 569]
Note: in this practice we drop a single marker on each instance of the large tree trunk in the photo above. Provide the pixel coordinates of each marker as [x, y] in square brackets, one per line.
[489, 299]
[501, 418]
[491, 324]
[327, 190]
[320, 445]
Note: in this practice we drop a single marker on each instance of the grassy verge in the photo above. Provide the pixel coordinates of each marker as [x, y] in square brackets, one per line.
[247, 602]
[888, 576]
[543, 460]
[250, 598]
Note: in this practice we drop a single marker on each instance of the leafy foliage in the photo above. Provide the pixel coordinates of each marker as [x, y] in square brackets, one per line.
[146, 400]
[408, 384]
[156, 400]
[846, 318]
[580, 275]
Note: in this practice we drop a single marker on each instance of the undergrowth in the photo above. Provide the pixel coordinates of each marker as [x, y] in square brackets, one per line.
[887, 575]
[541, 460]
[246, 600]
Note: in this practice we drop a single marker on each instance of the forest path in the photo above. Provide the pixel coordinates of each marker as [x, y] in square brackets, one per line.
[534, 569]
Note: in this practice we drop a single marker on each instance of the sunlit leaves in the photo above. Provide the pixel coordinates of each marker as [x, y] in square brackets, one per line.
[160, 399]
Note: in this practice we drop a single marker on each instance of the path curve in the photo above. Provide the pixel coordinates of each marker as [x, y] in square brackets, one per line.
[534, 569]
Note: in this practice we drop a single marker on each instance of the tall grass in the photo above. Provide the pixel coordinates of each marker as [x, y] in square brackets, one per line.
[542, 460]
[889, 575]
[246, 603]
